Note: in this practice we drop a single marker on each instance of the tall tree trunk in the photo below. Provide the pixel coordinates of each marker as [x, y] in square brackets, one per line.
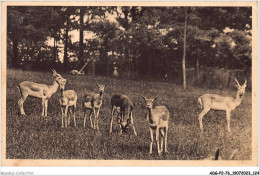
[15, 53]
[66, 37]
[108, 62]
[54, 50]
[81, 48]
[107, 66]
[128, 57]
[197, 70]
[168, 65]
[129, 67]
[93, 65]
[184, 50]
[149, 65]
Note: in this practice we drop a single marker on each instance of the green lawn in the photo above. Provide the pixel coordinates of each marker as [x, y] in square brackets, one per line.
[36, 137]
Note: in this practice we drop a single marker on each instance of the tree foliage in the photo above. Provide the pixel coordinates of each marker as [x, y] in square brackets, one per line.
[140, 41]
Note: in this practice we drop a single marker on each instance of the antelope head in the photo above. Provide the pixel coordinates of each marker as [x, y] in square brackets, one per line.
[125, 119]
[55, 74]
[62, 83]
[59, 79]
[101, 88]
[149, 102]
[241, 89]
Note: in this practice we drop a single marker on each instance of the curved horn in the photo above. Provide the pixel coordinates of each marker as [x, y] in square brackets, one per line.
[237, 82]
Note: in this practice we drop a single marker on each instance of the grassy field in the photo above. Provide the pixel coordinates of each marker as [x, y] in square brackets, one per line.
[35, 137]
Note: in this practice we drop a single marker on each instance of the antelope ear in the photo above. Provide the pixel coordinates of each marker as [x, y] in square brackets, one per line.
[67, 81]
[105, 85]
[54, 75]
[144, 98]
[155, 98]
[97, 85]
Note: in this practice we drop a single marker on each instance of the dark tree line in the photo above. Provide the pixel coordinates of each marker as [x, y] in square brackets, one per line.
[143, 42]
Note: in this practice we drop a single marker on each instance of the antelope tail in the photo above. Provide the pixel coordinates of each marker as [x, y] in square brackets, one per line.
[19, 89]
[200, 102]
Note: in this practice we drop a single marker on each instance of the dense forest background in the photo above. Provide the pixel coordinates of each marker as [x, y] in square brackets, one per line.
[198, 45]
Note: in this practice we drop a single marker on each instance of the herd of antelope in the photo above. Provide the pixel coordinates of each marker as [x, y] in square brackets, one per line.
[157, 116]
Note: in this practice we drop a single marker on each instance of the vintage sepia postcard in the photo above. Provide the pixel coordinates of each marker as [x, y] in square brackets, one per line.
[129, 83]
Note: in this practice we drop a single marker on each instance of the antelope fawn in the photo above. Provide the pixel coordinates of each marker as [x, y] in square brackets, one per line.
[68, 101]
[92, 102]
[125, 114]
[41, 91]
[158, 119]
[222, 103]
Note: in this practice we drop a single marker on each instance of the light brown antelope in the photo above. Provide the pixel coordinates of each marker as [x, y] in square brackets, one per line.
[217, 155]
[41, 91]
[222, 103]
[92, 103]
[68, 102]
[158, 119]
[125, 114]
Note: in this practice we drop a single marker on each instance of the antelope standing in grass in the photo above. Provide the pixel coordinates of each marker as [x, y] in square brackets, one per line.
[158, 119]
[92, 103]
[125, 114]
[41, 91]
[217, 155]
[222, 103]
[68, 101]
